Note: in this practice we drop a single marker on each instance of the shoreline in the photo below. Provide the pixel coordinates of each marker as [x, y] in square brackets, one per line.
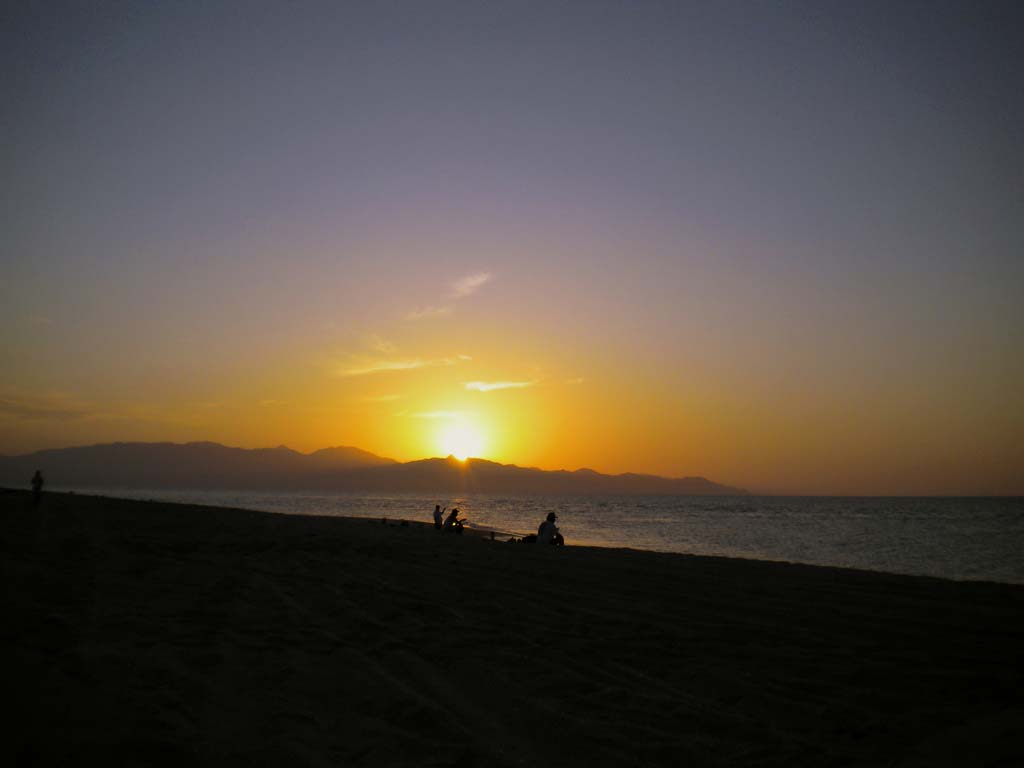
[484, 531]
[159, 634]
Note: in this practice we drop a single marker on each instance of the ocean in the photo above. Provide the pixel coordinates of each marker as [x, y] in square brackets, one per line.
[953, 538]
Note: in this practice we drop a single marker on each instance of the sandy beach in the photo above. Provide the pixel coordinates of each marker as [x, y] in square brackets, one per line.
[140, 633]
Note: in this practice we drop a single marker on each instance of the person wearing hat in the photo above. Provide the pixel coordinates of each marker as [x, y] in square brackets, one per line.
[452, 522]
[548, 532]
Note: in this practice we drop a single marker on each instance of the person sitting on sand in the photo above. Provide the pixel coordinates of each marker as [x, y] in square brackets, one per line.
[548, 532]
[37, 485]
[452, 522]
[438, 512]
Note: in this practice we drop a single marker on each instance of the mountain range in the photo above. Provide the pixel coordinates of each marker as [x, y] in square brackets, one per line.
[209, 466]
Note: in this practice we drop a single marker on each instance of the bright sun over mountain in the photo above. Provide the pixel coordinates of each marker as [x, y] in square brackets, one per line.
[460, 440]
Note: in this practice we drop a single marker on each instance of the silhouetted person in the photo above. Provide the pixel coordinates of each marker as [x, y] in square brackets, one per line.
[37, 486]
[452, 522]
[438, 512]
[548, 532]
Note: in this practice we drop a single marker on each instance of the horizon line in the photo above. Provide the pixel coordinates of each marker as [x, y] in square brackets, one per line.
[746, 491]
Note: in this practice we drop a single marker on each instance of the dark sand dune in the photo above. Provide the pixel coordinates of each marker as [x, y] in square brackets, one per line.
[158, 634]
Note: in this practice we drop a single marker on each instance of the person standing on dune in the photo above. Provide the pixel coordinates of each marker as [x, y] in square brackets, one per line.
[438, 512]
[37, 486]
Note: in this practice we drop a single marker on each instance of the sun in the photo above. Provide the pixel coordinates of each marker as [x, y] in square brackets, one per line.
[460, 440]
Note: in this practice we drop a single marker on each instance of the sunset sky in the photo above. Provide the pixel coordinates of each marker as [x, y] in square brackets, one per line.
[780, 245]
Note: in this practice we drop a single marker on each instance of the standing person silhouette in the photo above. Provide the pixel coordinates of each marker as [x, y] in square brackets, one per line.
[438, 512]
[37, 486]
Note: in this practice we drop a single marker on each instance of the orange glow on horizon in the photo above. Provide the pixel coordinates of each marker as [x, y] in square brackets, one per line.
[472, 390]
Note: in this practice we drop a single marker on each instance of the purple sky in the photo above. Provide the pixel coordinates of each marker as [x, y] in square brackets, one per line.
[758, 204]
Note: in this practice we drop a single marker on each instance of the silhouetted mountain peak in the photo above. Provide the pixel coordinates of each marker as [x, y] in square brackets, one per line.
[347, 455]
[433, 461]
[474, 463]
[215, 466]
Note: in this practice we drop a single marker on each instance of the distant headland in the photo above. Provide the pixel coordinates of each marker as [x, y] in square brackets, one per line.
[207, 465]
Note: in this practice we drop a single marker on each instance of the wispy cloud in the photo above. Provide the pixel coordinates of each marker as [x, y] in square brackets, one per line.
[441, 311]
[437, 415]
[460, 289]
[40, 408]
[380, 344]
[489, 386]
[577, 380]
[469, 284]
[381, 366]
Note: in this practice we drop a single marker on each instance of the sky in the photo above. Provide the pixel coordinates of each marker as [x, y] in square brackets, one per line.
[779, 245]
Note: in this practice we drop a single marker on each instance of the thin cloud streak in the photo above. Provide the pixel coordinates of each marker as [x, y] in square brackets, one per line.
[490, 386]
[461, 288]
[381, 366]
[44, 409]
[419, 314]
[469, 284]
[380, 344]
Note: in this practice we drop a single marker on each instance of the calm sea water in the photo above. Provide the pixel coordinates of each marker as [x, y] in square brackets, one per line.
[956, 538]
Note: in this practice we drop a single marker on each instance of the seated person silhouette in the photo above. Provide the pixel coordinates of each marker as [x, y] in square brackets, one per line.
[548, 532]
[452, 522]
